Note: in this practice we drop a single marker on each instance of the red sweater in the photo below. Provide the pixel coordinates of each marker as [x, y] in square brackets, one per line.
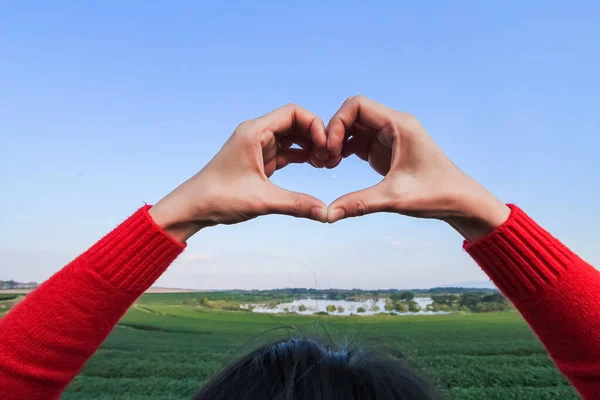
[48, 337]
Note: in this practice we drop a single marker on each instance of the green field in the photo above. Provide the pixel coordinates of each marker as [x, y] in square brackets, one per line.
[164, 350]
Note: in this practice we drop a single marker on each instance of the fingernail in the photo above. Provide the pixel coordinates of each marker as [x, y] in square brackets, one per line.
[335, 215]
[320, 214]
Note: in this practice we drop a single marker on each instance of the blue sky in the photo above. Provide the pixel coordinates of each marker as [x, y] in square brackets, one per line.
[105, 106]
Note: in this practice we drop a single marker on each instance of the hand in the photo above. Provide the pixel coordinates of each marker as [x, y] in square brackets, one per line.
[234, 185]
[419, 179]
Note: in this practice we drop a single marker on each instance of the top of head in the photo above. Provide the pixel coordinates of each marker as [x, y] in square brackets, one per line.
[306, 369]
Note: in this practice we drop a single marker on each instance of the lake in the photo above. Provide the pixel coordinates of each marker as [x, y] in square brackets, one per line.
[350, 307]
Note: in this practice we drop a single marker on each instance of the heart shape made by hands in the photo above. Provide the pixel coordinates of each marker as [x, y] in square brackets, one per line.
[418, 178]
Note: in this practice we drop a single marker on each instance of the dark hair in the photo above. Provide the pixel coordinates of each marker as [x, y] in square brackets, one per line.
[306, 369]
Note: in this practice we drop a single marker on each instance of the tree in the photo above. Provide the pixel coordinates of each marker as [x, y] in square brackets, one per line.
[190, 302]
[336, 296]
[331, 308]
[493, 298]
[482, 307]
[436, 307]
[404, 296]
[340, 309]
[375, 307]
[446, 299]
[407, 296]
[401, 306]
[490, 307]
[360, 310]
[302, 308]
[413, 306]
[205, 302]
[389, 305]
[469, 300]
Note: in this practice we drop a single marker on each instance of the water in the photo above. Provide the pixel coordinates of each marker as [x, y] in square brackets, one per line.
[350, 307]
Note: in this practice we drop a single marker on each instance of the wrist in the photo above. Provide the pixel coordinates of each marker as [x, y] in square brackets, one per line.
[172, 222]
[478, 216]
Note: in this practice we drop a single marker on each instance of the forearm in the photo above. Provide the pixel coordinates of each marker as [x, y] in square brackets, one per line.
[555, 291]
[48, 337]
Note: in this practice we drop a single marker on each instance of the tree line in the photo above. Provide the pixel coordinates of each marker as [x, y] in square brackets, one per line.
[470, 302]
[403, 302]
[358, 294]
[483, 300]
[11, 285]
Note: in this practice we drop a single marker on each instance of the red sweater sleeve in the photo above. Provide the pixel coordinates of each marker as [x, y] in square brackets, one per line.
[48, 337]
[557, 293]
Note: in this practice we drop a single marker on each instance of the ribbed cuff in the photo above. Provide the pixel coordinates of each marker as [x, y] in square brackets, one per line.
[135, 253]
[520, 256]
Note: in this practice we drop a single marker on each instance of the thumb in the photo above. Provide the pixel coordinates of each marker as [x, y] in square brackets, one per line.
[355, 204]
[281, 201]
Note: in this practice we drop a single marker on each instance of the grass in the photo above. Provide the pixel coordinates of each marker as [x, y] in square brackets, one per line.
[162, 349]
[7, 301]
[167, 350]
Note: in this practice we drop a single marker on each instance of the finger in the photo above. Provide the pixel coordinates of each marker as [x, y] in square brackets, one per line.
[291, 156]
[364, 112]
[293, 118]
[361, 131]
[362, 202]
[332, 165]
[288, 141]
[315, 161]
[358, 146]
[285, 143]
[334, 162]
[357, 109]
[315, 154]
[302, 142]
[301, 205]
[312, 160]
